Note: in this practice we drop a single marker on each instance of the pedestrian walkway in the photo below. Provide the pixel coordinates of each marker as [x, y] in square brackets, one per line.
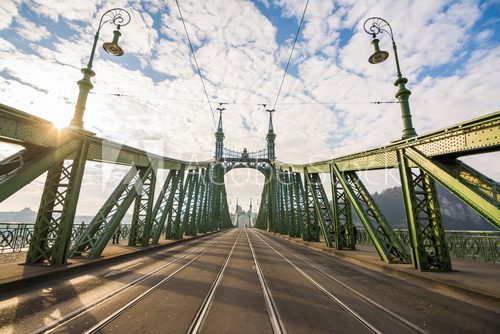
[468, 279]
[12, 269]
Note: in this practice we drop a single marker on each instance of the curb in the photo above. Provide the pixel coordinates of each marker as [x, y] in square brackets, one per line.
[22, 282]
[462, 291]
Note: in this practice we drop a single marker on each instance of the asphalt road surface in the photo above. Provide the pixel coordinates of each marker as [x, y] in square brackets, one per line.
[237, 281]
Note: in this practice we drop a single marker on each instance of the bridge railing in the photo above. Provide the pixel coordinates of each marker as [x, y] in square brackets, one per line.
[473, 245]
[15, 238]
[230, 154]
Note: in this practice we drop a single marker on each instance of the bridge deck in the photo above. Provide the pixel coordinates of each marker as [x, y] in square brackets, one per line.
[243, 281]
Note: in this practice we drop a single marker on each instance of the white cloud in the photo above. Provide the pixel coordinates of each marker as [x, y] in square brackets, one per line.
[31, 31]
[8, 10]
[241, 61]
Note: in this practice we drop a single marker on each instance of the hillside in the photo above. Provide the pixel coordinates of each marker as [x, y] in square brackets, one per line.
[456, 215]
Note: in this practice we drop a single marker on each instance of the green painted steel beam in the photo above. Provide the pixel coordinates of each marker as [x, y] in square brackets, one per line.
[140, 228]
[428, 248]
[172, 228]
[388, 246]
[23, 167]
[344, 228]
[27, 130]
[312, 226]
[52, 232]
[97, 234]
[472, 187]
[324, 215]
[471, 137]
[163, 205]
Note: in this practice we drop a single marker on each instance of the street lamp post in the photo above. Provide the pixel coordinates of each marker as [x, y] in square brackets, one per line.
[375, 26]
[119, 17]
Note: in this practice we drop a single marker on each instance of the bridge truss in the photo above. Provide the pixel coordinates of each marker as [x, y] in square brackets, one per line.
[294, 201]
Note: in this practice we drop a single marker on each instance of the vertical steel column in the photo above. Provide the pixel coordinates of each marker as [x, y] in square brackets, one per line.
[311, 228]
[388, 246]
[217, 180]
[344, 231]
[164, 205]
[140, 228]
[200, 203]
[272, 189]
[324, 215]
[226, 218]
[280, 210]
[174, 214]
[299, 197]
[427, 238]
[52, 231]
[290, 210]
[207, 204]
[191, 205]
[97, 234]
[262, 214]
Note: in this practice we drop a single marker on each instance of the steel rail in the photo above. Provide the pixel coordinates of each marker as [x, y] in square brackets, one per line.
[346, 308]
[272, 310]
[103, 323]
[207, 302]
[404, 321]
[84, 309]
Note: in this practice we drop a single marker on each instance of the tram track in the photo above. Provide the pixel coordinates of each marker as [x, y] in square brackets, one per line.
[52, 327]
[115, 315]
[207, 302]
[406, 323]
[274, 315]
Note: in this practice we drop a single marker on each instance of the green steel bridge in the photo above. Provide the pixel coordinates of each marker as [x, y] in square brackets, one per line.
[193, 198]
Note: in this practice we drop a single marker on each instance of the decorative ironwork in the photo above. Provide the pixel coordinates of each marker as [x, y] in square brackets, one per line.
[471, 245]
[117, 16]
[231, 154]
[377, 25]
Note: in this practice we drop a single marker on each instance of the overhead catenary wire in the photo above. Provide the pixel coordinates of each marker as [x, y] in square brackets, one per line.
[291, 53]
[172, 99]
[196, 63]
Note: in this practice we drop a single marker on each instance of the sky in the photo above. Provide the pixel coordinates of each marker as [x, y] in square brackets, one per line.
[448, 50]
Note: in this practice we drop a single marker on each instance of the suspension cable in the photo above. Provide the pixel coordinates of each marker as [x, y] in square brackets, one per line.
[196, 63]
[291, 52]
[176, 100]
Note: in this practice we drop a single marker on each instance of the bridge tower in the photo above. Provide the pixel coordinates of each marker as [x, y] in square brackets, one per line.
[219, 137]
[271, 136]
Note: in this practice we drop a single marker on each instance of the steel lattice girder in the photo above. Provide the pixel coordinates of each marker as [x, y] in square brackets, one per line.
[262, 214]
[172, 227]
[21, 128]
[471, 137]
[190, 206]
[344, 229]
[96, 235]
[427, 240]
[293, 227]
[52, 232]
[272, 210]
[217, 180]
[388, 246]
[205, 213]
[140, 228]
[200, 202]
[21, 168]
[163, 205]
[284, 203]
[226, 218]
[472, 187]
[324, 215]
[312, 227]
[281, 220]
[299, 197]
